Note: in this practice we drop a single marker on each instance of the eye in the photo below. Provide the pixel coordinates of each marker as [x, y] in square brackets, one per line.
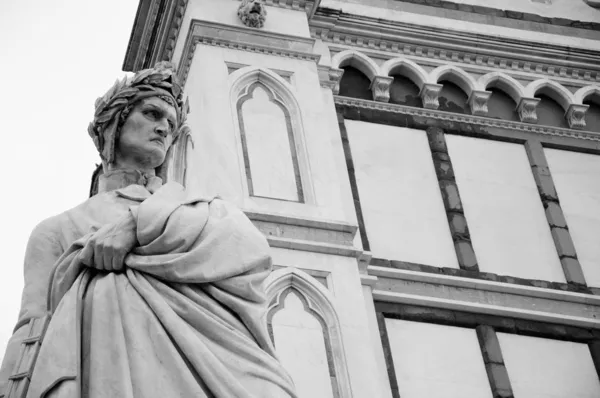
[171, 125]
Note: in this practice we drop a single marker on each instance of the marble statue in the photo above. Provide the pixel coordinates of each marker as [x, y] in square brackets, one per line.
[145, 289]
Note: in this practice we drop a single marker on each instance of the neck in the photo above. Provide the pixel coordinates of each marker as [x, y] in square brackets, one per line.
[121, 178]
[114, 167]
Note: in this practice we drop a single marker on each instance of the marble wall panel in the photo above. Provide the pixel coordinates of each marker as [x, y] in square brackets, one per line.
[436, 361]
[544, 368]
[576, 178]
[399, 194]
[509, 230]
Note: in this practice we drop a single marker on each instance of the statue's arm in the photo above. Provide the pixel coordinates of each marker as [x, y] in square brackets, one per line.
[43, 249]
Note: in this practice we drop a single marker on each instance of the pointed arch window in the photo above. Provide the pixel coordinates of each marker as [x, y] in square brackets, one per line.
[269, 144]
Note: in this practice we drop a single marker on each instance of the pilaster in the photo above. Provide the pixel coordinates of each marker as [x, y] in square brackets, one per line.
[554, 214]
[494, 362]
[452, 202]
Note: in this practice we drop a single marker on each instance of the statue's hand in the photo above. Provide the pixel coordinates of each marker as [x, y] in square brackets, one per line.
[108, 246]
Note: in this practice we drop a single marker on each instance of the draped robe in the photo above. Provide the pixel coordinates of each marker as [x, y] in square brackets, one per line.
[184, 319]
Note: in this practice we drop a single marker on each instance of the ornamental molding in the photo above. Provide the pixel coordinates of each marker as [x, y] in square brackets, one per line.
[456, 47]
[429, 95]
[243, 39]
[380, 87]
[575, 116]
[307, 6]
[154, 34]
[527, 109]
[464, 118]
[478, 102]
[330, 78]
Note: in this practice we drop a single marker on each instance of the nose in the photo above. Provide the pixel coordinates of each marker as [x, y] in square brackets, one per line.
[162, 127]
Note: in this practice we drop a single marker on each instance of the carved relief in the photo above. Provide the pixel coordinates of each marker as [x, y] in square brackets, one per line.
[380, 87]
[335, 77]
[429, 95]
[576, 115]
[527, 109]
[252, 13]
[478, 102]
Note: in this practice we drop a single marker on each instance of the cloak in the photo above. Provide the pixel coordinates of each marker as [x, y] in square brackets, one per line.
[186, 317]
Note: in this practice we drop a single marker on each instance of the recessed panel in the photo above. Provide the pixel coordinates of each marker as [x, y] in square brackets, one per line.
[504, 211]
[399, 194]
[437, 361]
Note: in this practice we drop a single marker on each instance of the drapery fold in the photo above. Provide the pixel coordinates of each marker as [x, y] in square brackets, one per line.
[185, 318]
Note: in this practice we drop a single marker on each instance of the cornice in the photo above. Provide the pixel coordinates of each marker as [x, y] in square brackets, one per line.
[156, 26]
[459, 47]
[508, 14]
[244, 39]
[463, 118]
[309, 6]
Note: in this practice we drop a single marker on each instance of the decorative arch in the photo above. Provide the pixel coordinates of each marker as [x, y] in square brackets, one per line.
[407, 68]
[243, 82]
[554, 90]
[357, 60]
[455, 75]
[509, 85]
[584, 92]
[317, 301]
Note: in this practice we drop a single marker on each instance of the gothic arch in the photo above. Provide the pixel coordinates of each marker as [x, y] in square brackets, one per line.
[455, 75]
[317, 300]
[584, 92]
[507, 84]
[357, 60]
[554, 90]
[407, 68]
[242, 82]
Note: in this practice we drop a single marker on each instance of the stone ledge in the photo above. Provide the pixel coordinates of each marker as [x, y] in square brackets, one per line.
[515, 314]
[475, 122]
[312, 246]
[483, 276]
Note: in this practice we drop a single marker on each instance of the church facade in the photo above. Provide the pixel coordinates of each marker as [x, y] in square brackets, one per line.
[427, 174]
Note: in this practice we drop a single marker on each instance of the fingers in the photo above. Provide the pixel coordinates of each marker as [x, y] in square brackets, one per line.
[117, 261]
[87, 254]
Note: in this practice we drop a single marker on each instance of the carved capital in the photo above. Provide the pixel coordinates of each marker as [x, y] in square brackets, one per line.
[526, 109]
[380, 87]
[478, 101]
[576, 115]
[429, 95]
[335, 76]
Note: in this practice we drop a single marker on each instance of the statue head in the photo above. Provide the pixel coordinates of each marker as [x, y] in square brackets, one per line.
[138, 119]
[252, 13]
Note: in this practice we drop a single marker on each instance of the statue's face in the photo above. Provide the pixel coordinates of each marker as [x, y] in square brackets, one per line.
[146, 135]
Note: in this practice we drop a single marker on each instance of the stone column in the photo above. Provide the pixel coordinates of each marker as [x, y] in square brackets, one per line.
[452, 203]
[554, 214]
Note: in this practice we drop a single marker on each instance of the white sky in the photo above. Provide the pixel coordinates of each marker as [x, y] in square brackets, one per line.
[56, 58]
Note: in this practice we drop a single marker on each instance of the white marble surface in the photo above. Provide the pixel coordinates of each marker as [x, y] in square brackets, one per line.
[279, 20]
[437, 361]
[268, 146]
[544, 368]
[392, 10]
[301, 348]
[508, 226]
[399, 194]
[577, 180]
